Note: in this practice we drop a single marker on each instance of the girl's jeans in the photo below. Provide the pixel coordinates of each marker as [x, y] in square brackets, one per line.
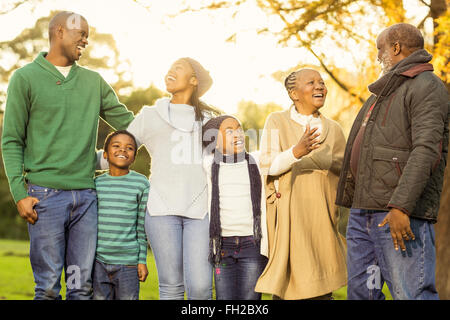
[240, 267]
[181, 247]
[372, 259]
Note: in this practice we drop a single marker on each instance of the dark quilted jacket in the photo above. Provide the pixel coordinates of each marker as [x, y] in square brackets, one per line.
[405, 144]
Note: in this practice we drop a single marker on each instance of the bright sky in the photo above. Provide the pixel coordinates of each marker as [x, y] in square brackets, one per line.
[152, 41]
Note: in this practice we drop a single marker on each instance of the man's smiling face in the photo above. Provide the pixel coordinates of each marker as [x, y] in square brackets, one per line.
[74, 39]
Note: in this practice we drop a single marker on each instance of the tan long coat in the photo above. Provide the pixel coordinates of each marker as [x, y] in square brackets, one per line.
[307, 255]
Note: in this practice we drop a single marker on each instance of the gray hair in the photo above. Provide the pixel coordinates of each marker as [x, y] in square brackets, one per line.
[406, 35]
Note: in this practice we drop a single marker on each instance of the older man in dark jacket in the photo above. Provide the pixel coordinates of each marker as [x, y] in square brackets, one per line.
[393, 171]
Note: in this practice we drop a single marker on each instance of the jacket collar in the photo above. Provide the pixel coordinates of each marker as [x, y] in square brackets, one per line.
[411, 66]
[48, 66]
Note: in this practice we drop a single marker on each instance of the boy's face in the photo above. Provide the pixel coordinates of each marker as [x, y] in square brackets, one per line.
[231, 138]
[121, 151]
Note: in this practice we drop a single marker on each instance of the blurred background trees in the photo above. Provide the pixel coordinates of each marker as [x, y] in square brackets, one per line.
[329, 30]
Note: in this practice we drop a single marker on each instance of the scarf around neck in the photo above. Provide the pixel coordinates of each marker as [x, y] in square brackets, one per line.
[215, 230]
[390, 81]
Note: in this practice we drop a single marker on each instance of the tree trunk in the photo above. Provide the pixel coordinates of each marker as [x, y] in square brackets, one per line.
[442, 229]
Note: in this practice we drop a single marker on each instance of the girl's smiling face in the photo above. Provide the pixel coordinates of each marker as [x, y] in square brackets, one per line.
[231, 138]
[121, 151]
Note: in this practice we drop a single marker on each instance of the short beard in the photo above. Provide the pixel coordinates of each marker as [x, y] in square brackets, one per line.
[386, 63]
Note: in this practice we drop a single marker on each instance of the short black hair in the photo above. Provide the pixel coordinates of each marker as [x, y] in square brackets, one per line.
[406, 35]
[60, 19]
[116, 133]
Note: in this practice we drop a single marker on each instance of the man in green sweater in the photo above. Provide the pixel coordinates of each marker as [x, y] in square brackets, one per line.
[48, 143]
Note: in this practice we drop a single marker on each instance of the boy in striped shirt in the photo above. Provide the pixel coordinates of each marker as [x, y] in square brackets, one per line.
[122, 244]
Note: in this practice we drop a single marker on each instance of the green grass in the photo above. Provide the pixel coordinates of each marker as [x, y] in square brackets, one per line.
[16, 276]
[17, 283]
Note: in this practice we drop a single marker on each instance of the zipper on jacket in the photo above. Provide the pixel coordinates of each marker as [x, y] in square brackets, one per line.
[440, 156]
[397, 166]
[387, 110]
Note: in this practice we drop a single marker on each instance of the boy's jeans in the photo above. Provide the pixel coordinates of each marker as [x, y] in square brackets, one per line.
[181, 248]
[372, 259]
[115, 282]
[65, 235]
[239, 269]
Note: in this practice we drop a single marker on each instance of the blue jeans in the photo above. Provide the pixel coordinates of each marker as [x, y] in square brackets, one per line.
[64, 236]
[240, 266]
[372, 259]
[181, 247]
[115, 281]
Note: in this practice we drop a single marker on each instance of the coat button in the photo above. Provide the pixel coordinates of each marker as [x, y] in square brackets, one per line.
[278, 195]
[58, 82]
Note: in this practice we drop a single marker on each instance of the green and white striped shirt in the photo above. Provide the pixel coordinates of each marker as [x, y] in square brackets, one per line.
[121, 214]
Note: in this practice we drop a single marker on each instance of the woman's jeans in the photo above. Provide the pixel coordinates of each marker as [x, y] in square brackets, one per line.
[372, 259]
[115, 281]
[240, 266]
[181, 247]
[64, 236]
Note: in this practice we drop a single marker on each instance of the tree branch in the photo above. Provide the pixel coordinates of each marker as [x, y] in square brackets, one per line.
[420, 25]
[14, 7]
[428, 5]
[322, 63]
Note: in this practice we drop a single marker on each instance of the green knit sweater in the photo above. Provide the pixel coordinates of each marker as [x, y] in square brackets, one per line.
[50, 126]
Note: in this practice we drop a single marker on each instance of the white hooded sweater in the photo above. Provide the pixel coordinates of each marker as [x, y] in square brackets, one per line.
[173, 140]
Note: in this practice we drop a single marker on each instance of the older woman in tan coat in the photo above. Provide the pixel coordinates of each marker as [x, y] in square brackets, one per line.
[301, 157]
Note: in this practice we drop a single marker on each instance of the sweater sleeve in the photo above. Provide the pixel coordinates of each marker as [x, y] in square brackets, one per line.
[274, 161]
[283, 162]
[14, 134]
[141, 237]
[112, 111]
[139, 126]
[102, 163]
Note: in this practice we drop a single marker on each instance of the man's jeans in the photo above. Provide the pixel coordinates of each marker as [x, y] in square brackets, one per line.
[65, 235]
[181, 248]
[115, 282]
[240, 267]
[372, 259]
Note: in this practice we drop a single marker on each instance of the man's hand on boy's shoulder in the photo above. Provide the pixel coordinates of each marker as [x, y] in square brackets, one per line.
[26, 209]
[142, 272]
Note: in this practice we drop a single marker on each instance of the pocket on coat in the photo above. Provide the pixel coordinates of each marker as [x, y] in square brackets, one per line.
[387, 168]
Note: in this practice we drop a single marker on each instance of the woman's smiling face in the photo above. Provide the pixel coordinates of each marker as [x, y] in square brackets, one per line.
[310, 90]
[180, 77]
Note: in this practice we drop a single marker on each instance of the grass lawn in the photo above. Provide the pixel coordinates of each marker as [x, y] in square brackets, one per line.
[16, 277]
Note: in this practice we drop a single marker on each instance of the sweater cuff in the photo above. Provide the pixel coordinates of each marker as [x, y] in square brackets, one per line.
[19, 193]
[142, 260]
[390, 206]
[283, 162]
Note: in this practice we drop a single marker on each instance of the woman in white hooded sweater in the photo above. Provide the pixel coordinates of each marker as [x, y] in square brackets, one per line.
[177, 223]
